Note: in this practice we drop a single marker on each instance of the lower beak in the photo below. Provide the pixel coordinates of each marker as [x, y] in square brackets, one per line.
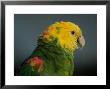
[81, 41]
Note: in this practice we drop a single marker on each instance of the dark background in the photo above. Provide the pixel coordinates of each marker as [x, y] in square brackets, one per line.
[27, 28]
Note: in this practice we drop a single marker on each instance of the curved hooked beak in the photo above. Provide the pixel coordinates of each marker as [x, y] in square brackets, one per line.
[81, 41]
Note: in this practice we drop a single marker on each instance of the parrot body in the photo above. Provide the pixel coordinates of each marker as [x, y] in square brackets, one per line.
[53, 55]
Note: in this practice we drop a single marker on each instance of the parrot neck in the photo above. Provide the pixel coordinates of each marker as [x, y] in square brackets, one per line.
[53, 47]
[55, 44]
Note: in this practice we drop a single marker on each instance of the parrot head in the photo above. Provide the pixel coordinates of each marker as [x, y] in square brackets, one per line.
[68, 35]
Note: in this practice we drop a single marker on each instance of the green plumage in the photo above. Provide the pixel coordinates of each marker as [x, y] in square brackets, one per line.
[57, 61]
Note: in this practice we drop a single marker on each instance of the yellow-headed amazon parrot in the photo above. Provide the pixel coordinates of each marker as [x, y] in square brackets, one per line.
[54, 54]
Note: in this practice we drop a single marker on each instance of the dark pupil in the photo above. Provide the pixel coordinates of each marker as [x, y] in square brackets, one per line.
[72, 32]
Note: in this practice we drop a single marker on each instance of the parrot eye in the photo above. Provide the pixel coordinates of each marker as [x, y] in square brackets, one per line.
[72, 32]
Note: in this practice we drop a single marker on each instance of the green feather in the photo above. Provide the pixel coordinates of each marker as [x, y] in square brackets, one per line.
[57, 61]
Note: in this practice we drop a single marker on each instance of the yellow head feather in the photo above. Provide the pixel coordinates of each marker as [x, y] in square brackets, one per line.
[67, 34]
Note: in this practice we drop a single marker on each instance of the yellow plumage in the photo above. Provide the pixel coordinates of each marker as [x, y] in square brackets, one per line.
[63, 32]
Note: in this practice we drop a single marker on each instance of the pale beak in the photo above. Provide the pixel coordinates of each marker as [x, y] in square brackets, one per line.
[81, 41]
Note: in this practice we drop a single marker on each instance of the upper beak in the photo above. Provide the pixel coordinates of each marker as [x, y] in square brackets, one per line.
[81, 41]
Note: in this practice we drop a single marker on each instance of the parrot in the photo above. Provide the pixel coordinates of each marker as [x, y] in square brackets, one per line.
[54, 53]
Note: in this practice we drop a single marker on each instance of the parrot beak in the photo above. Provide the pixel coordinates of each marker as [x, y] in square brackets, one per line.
[81, 41]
